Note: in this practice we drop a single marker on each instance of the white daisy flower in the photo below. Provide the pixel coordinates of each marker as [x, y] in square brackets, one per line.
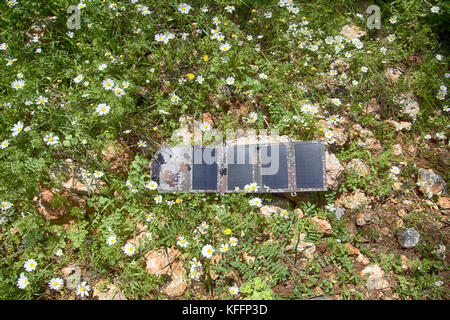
[119, 91]
[108, 84]
[4, 144]
[102, 109]
[255, 202]
[182, 242]
[98, 174]
[17, 128]
[184, 8]
[435, 9]
[17, 84]
[225, 47]
[152, 185]
[83, 289]
[111, 240]
[129, 249]
[30, 265]
[56, 283]
[78, 78]
[51, 140]
[22, 282]
[230, 80]
[41, 100]
[234, 290]
[233, 241]
[157, 198]
[395, 170]
[223, 247]
[207, 251]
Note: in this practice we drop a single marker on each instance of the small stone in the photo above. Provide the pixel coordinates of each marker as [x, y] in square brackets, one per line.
[374, 108]
[340, 65]
[105, 291]
[376, 280]
[339, 213]
[166, 261]
[392, 74]
[444, 159]
[353, 201]
[352, 32]
[299, 213]
[359, 167]
[334, 170]
[268, 211]
[397, 186]
[405, 265]
[362, 259]
[353, 250]
[444, 203]
[323, 225]
[360, 221]
[72, 276]
[431, 183]
[401, 213]
[410, 105]
[408, 238]
[398, 150]
[119, 155]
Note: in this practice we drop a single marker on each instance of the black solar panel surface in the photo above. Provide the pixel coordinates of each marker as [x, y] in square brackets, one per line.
[240, 170]
[279, 180]
[204, 175]
[309, 165]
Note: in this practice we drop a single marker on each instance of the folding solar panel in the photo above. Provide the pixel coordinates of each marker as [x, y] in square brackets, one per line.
[275, 167]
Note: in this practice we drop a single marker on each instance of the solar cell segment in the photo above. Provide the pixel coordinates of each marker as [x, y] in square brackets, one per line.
[204, 173]
[274, 164]
[309, 165]
[240, 168]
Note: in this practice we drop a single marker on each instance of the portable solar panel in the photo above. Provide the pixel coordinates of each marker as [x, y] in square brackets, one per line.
[274, 167]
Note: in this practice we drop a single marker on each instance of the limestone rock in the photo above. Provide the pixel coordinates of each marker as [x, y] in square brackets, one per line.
[410, 106]
[353, 201]
[430, 183]
[398, 150]
[353, 250]
[268, 211]
[352, 32]
[359, 167]
[362, 259]
[323, 225]
[376, 280]
[392, 74]
[54, 205]
[334, 170]
[444, 203]
[339, 213]
[72, 276]
[105, 291]
[162, 261]
[408, 238]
